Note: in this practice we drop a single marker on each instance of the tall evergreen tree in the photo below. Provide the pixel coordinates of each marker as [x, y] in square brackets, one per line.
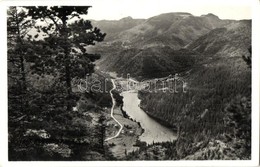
[64, 48]
[18, 26]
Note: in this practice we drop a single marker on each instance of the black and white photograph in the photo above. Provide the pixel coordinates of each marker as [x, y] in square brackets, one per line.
[129, 81]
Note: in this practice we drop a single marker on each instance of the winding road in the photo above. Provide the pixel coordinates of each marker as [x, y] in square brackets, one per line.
[112, 111]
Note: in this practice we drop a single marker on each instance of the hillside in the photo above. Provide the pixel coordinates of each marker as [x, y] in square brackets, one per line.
[216, 107]
[232, 40]
[152, 39]
[113, 27]
[210, 116]
[151, 62]
[171, 29]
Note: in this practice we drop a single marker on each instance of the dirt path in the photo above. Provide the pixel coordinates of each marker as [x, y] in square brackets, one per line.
[112, 111]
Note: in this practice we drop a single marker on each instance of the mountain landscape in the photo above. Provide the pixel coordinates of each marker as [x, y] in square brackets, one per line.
[207, 52]
[157, 36]
[171, 87]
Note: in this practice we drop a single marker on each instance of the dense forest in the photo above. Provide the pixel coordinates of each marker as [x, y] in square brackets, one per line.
[215, 109]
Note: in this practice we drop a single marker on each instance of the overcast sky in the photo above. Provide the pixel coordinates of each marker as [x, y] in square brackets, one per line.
[117, 9]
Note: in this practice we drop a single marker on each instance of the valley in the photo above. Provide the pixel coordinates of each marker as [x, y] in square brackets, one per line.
[174, 86]
[209, 60]
[132, 128]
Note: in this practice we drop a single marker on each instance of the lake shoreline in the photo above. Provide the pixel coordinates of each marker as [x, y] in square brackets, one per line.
[174, 128]
[154, 131]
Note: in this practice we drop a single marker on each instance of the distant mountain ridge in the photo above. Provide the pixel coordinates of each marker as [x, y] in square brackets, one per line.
[176, 29]
[111, 27]
[232, 40]
[131, 43]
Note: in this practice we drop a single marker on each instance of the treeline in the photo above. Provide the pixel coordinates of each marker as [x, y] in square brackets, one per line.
[46, 52]
[217, 106]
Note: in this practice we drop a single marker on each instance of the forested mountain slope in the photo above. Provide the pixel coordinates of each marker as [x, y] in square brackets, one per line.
[216, 109]
[161, 37]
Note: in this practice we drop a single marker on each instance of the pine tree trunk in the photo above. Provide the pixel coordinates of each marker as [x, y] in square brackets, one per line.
[69, 88]
[24, 103]
[20, 42]
[24, 86]
[67, 62]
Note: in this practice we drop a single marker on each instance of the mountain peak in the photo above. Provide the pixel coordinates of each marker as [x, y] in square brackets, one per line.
[127, 18]
[210, 15]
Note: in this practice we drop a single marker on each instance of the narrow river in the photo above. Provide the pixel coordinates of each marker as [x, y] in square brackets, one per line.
[153, 131]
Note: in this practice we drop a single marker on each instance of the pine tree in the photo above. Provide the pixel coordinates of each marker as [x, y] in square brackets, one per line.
[63, 52]
[18, 26]
[18, 47]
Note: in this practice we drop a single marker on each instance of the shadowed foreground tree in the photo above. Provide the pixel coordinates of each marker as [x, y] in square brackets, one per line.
[41, 67]
[63, 52]
[17, 28]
